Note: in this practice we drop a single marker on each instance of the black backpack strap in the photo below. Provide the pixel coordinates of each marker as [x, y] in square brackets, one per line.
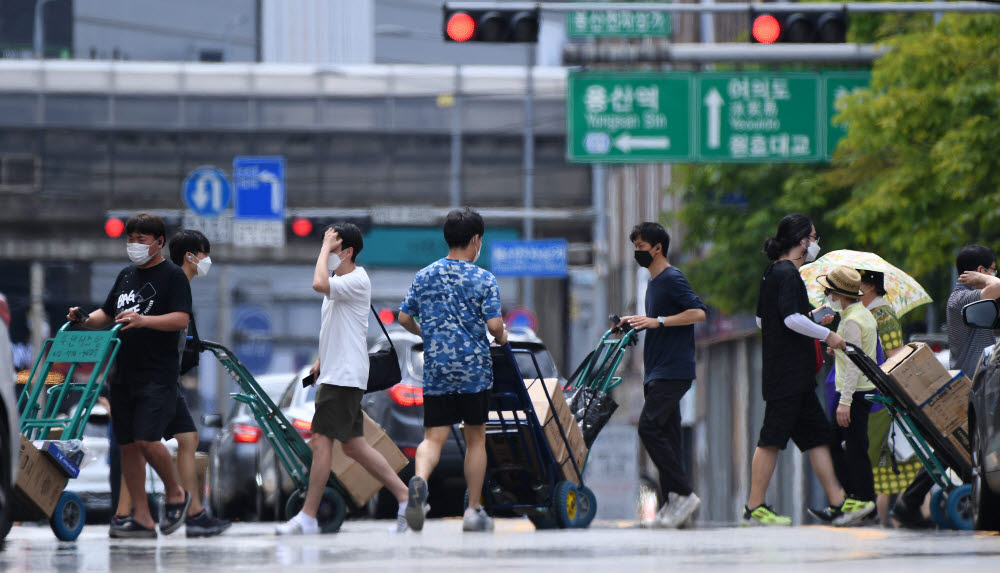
[384, 331]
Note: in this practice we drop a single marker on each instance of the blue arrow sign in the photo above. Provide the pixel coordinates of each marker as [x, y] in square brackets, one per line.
[260, 188]
[255, 350]
[547, 258]
[207, 191]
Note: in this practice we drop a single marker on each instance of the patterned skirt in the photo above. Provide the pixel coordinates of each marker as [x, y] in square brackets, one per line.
[880, 453]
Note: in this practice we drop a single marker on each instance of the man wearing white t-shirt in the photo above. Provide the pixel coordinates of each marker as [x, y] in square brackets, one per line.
[342, 374]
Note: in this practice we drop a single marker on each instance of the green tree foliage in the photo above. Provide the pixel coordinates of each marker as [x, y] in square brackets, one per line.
[916, 177]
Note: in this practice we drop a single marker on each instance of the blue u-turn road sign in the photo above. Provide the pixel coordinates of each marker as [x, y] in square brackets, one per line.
[541, 259]
[260, 188]
[207, 191]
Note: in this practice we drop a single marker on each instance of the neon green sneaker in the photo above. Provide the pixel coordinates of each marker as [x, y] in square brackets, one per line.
[763, 515]
[853, 511]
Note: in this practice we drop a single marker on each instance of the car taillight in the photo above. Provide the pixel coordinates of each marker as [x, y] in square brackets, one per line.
[304, 428]
[410, 452]
[936, 347]
[406, 395]
[246, 434]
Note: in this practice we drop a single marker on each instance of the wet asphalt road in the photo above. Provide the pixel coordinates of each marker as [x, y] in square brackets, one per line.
[514, 546]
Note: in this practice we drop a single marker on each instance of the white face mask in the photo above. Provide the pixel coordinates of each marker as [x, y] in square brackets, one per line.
[812, 251]
[138, 253]
[203, 265]
[479, 251]
[835, 305]
[334, 261]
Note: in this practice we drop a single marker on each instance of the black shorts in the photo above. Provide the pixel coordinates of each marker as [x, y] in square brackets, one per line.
[182, 422]
[141, 411]
[448, 409]
[799, 417]
[338, 412]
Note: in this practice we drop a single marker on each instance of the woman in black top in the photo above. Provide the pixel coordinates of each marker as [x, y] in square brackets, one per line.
[792, 408]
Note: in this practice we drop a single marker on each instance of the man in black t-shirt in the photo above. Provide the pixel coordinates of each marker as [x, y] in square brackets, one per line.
[672, 309]
[151, 299]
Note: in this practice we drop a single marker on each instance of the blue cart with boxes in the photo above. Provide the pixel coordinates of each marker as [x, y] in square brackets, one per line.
[44, 472]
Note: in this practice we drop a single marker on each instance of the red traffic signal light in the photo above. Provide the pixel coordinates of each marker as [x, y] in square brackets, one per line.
[460, 27]
[798, 27]
[114, 228]
[766, 29]
[506, 26]
[302, 227]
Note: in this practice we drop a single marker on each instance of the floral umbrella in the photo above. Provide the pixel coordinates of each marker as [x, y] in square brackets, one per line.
[903, 292]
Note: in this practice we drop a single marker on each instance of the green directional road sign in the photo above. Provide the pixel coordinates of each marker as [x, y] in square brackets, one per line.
[588, 23]
[758, 117]
[635, 117]
[835, 85]
[629, 117]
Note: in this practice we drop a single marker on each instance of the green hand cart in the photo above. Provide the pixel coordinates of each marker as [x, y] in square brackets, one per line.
[289, 447]
[39, 420]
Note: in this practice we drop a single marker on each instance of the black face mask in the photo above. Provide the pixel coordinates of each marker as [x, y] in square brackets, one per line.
[644, 258]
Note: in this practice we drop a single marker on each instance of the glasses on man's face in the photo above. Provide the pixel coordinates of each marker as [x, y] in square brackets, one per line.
[814, 238]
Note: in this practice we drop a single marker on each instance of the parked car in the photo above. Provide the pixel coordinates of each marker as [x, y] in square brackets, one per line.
[984, 420]
[242, 480]
[9, 425]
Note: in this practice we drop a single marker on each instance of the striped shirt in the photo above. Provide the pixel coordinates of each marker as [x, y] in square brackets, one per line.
[965, 343]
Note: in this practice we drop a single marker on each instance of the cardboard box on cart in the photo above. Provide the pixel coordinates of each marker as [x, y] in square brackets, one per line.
[355, 478]
[547, 416]
[40, 482]
[942, 397]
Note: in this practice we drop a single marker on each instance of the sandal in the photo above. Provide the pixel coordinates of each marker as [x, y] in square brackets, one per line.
[174, 514]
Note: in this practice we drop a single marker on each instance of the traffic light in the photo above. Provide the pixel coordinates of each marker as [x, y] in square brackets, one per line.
[798, 27]
[508, 26]
[315, 227]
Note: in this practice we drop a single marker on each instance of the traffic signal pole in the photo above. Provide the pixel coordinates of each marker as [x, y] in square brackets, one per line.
[528, 293]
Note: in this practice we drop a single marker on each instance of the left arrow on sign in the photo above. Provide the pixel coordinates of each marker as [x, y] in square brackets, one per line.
[272, 180]
[627, 142]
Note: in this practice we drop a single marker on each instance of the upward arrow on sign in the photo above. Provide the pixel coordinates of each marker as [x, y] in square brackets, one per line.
[714, 103]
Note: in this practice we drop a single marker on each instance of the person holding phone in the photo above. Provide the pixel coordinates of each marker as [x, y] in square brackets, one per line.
[151, 298]
[341, 371]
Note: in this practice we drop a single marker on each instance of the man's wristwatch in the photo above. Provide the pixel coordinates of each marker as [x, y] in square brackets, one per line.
[660, 319]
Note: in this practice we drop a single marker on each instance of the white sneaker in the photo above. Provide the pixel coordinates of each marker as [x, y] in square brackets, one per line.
[476, 520]
[682, 508]
[665, 516]
[299, 524]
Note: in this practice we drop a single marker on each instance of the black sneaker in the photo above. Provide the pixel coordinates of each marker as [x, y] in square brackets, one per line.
[415, 506]
[174, 514]
[825, 515]
[128, 528]
[202, 524]
[911, 518]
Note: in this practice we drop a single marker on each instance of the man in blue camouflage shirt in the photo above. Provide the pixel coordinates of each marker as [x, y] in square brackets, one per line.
[456, 302]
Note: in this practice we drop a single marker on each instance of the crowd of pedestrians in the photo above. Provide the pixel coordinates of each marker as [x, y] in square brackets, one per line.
[454, 306]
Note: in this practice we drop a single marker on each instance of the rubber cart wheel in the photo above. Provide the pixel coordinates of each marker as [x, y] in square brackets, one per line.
[68, 517]
[544, 521]
[959, 507]
[331, 513]
[586, 503]
[565, 504]
[939, 512]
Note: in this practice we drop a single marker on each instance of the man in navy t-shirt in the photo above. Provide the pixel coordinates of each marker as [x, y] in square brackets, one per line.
[672, 308]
